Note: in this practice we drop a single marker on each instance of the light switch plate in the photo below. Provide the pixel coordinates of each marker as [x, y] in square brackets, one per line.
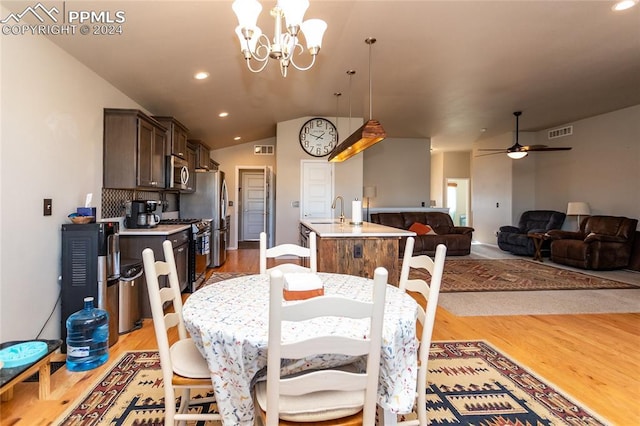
[47, 207]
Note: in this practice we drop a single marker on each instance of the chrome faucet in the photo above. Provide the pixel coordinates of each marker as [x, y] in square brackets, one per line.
[333, 206]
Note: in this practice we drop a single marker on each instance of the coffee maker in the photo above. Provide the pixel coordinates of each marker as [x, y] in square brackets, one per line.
[136, 214]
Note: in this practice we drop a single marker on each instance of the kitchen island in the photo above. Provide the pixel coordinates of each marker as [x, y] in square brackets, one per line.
[355, 250]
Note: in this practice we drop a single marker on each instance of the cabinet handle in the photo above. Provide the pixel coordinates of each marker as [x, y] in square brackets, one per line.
[181, 249]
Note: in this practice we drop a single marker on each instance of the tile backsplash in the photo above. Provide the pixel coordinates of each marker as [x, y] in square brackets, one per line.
[113, 200]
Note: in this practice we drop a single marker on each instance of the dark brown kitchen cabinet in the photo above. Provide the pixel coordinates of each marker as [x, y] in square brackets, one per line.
[131, 247]
[176, 136]
[202, 155]
[134, 150]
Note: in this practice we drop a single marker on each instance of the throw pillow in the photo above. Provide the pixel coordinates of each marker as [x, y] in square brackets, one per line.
[422, 229]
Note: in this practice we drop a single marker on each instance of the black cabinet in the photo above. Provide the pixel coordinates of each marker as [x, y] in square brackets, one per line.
[134, 150]
[192, 160]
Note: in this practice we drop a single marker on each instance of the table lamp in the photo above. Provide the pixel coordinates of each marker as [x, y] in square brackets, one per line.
[578, 208]
[368, 193]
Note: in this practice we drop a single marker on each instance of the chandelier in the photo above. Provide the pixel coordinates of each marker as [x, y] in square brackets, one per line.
[288, 16]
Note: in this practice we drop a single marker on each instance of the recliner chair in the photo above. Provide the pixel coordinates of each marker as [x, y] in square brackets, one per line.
[603, 242]
[514, 239]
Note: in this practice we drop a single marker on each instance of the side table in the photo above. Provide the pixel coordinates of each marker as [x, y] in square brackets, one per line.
[538, 238]
[10, 376]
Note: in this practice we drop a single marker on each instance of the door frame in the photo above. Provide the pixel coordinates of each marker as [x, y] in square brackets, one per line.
[268, 205]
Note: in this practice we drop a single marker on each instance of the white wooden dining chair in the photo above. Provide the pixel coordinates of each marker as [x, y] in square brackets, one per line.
[183, 367]
[306, 254]
[336, 396]
[426, 315]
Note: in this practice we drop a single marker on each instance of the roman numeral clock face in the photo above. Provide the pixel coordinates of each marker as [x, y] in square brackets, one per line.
[318, 137]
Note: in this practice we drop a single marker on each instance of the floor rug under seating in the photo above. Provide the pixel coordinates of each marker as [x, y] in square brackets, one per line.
[470, 382]
[464, 275]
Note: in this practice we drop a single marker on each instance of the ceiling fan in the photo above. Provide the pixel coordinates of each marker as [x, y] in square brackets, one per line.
[518, 151]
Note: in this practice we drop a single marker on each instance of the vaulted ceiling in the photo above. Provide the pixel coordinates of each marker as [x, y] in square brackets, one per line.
[440, 69]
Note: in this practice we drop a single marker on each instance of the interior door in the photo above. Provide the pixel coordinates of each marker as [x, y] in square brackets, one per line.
[253, 202]
[317, 189]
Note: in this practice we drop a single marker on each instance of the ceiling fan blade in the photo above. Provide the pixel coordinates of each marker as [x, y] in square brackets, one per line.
[541, 148]
[492, 149]
[491, 153]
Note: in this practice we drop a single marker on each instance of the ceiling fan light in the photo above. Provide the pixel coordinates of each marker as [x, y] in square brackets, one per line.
[516, 155]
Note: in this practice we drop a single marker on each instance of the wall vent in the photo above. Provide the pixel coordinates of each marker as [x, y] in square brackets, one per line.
[263, 149]
[561, 132]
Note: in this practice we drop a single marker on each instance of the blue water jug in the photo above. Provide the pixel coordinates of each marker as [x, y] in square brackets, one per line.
[87, 337]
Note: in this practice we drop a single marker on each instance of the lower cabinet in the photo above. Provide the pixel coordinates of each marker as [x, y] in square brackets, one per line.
[131, 246]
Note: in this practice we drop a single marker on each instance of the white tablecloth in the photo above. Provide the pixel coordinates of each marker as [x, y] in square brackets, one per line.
[229, 321]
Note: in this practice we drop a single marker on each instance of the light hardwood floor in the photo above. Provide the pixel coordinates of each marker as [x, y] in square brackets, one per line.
[593, 358]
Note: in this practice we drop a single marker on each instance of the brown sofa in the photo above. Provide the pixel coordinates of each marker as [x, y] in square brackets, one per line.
[456, 238]
[603, 242]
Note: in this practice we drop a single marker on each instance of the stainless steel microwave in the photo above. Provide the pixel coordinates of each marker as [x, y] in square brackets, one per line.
[177, 173]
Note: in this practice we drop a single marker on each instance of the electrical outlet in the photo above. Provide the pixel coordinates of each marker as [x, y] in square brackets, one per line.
[357, 251]
[47, 207]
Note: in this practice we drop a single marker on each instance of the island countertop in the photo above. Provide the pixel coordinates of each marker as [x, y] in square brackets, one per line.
[332, 228]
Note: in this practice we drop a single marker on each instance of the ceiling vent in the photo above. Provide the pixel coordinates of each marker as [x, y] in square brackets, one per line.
[561, 132]
[263, 149]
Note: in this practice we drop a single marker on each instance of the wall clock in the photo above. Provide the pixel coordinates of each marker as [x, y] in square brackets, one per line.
[318, 137]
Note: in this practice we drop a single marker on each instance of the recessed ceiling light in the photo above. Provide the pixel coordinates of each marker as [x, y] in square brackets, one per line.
[624, 5]
[223, 114]
[201, 75]
[237, 138]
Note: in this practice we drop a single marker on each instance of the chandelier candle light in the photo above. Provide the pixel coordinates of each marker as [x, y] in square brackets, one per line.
[288, 16]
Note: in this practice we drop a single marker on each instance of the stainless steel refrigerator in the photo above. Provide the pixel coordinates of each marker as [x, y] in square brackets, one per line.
[210, 202]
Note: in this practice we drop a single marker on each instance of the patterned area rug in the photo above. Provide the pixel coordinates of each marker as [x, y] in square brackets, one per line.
[465, 275]
[469, 383]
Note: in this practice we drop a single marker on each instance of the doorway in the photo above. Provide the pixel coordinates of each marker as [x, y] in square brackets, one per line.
[255, 205]
[457, 200]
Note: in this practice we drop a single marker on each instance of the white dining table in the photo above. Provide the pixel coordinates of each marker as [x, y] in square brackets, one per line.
[228, 321]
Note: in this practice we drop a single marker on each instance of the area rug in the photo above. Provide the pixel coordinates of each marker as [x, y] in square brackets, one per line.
[475, 275]
[470, 382]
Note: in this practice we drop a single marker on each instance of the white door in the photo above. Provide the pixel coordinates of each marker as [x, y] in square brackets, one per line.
[317, 189]
[253, 202]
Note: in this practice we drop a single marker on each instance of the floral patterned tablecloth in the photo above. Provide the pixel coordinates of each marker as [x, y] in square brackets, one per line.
[229, 323]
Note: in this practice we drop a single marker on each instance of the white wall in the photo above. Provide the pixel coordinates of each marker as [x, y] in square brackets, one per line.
[51, 147]
[289, 153]
[400, 171]
[602, 168]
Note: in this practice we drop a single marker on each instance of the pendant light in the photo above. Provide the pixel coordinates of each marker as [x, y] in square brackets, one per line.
[369, 134]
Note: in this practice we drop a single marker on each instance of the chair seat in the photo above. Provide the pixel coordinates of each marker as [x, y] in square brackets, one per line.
[314, 407]
[188, 361]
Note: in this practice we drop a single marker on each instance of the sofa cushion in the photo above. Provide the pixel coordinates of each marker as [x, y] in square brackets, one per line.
[422, 229]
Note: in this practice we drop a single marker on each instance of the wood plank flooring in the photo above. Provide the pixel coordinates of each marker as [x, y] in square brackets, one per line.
[593, 358]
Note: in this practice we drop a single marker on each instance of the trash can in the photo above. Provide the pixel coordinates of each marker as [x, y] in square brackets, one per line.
[112, 309]
[130, 285]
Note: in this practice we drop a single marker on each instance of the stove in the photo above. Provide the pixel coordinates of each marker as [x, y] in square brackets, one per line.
[199, 243]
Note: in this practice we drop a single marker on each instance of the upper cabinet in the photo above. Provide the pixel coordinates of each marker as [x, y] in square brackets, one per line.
[202, 155]
[176, 136]
[134, 150]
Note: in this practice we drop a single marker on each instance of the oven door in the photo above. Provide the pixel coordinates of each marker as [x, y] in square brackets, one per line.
[177, 173]
[202, 256]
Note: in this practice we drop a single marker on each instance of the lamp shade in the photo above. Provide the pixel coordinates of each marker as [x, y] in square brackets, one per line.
[369, 192]
[578, 208]
[247, 12]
